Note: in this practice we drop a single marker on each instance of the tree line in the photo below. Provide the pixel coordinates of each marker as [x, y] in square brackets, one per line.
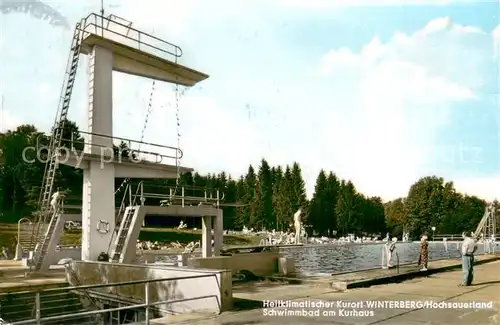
[266, 196]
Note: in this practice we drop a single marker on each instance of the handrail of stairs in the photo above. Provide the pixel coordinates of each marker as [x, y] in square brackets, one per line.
[148, 305]
[74, 276]
[119, 216]
[123, 204]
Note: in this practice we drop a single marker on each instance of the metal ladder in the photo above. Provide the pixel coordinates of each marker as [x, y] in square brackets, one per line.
[123, 233]
[482, 223]
[57, 133]
[490, 227]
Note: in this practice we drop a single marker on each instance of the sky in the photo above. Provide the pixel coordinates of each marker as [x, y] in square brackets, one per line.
[379, 92]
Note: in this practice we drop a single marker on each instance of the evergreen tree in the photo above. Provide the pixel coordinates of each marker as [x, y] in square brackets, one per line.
[264, 199]
[320, 206]
[242, 215]
[332, 190]
[250, 197]
[282, 201]
[345, 209]
[231, 196]
[277, 197]
[298, 188]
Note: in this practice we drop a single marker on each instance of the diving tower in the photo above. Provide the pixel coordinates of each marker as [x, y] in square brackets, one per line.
[487, 227]
[112, 44]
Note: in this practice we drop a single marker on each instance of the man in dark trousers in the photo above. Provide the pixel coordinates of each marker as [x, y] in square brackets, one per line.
[469, 247]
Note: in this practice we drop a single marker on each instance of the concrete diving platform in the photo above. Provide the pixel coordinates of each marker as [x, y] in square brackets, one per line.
[124, 168]
[137, 53]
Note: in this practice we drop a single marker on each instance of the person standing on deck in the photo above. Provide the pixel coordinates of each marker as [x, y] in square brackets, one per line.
[423, 258]
[469, 247]
[390, 247]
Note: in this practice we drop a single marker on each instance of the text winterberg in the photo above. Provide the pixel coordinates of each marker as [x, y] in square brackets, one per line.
[378, 304]
[409, 304]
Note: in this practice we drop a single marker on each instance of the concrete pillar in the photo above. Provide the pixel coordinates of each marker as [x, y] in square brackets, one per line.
[100, 109]
[98, 180]
[206, 236]
[218, 232]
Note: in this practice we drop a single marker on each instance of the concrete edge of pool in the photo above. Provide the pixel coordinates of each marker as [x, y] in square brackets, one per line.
[413, 272]
[378, 276]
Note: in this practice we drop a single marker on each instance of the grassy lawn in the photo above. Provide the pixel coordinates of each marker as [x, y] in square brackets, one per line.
[8, 233]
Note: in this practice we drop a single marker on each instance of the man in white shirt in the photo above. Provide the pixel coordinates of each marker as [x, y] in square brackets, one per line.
[469, 247]
[55, 200]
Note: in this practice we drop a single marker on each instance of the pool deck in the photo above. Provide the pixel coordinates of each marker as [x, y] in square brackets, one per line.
[13, 279]
[437, 287]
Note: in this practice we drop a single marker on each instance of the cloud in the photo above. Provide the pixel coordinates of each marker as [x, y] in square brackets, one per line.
[496, 40]
[328, 4]
[8, 121]
[398, 96]
[487, 188]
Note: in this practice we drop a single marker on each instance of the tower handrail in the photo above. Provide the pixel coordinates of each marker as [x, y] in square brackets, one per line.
[186, 187]
[167, 193]
[123, 205]
[129, 143]
[93, 26]
[184, 196]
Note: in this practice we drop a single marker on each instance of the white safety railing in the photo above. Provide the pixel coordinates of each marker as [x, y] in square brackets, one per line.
[183, 195]
[120, 30]
[146, 304]
[154, 153]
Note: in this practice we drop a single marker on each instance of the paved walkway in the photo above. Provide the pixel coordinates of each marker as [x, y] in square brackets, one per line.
[440, 287]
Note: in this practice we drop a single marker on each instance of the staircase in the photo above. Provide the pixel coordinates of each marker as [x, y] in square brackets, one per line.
[123, 233]
[55, 143]
[16, 307]
[24, 239]
[25, 235]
